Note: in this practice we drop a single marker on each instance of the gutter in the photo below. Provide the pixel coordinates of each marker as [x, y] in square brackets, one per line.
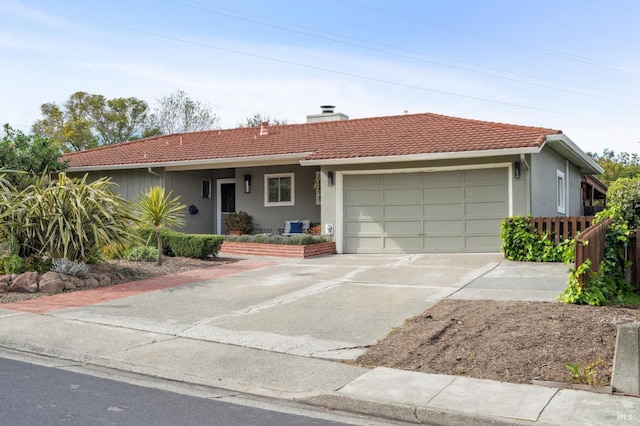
[261, 160]
[421, 157]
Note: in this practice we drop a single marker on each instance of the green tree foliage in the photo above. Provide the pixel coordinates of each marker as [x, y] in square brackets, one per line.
[66, 218]
[178, 113]
[256, 120]
[617, 165]
[28, 156]
[158, 210]
[87, 121]
[624, 195]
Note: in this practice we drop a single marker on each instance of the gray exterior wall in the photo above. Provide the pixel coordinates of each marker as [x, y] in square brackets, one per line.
[544, 167]
[274, 217]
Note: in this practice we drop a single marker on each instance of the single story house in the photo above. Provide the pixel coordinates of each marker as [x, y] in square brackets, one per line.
[411, 183]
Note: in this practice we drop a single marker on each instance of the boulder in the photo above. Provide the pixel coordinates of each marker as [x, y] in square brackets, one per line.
[52, 283]
[71, 282]
[4, 282]
[26, 282]
[92, 282]
[103, 280]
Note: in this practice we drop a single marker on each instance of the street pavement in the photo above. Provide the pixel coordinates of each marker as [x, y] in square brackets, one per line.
[280, 327]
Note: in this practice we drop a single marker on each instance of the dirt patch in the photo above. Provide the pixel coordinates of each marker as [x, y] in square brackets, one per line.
[122, 271]
[515, 342]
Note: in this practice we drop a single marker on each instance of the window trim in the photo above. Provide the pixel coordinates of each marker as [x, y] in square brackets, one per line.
[209, 189]
[267, 203]
[561, 192]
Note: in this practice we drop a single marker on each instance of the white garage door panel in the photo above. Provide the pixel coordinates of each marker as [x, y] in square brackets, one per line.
[453, 211]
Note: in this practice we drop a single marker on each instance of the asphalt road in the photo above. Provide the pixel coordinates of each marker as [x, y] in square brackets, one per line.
[39, 395]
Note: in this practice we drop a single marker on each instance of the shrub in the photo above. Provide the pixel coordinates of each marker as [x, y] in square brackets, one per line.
[11, 264]
[608, 284]
[69, 267]
[518, 243]
[240, 221]
[66, 218]
[141, 253]
[299, 239]
[196, 246]
[624, 194]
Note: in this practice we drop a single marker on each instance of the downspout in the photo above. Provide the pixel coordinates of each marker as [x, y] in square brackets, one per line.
[150, 170]
[527, 191]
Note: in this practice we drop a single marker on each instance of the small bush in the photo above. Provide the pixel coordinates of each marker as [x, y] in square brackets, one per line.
[12, 264]
[69, 267]
[196, 246]
[141, 254]
[298, 239]
[114, 251]
[518, 243]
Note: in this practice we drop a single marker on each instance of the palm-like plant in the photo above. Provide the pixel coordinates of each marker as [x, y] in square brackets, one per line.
[157, 209]
[64, 218]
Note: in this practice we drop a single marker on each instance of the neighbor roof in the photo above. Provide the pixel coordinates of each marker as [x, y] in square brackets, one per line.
[399, 137]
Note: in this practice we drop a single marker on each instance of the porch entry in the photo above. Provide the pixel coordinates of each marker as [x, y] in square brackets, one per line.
[226, 202]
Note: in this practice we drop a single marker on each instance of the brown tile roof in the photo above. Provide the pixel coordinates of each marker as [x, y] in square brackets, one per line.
[407, 134]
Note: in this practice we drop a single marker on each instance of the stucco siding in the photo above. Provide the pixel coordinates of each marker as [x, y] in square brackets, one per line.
[274, 217]
[545, 167]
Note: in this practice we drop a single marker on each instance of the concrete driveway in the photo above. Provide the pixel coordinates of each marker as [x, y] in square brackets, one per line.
[328, 307]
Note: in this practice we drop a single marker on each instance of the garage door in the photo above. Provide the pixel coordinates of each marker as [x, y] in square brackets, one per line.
[426, 212]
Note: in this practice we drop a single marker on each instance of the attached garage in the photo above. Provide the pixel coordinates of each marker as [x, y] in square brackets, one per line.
[425, 212]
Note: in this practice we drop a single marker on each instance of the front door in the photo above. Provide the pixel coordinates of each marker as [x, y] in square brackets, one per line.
[226, 201]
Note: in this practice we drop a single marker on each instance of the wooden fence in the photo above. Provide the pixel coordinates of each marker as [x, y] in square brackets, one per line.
[559, 228]
[590, 244]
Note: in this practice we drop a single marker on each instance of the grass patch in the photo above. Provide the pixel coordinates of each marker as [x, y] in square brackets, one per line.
[632, 299]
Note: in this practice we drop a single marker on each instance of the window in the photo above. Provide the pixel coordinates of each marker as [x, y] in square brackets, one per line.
[279, 189]
[206, 188]
[561, 195]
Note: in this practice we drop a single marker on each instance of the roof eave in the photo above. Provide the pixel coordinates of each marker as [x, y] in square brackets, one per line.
[568, 149]
[217, 163]
[421, 157]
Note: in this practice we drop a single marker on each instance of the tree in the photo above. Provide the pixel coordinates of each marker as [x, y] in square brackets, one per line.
[157, 209]
[87, 121]
[617, 165]
[178, 113]
[256, 120]
[28, 156]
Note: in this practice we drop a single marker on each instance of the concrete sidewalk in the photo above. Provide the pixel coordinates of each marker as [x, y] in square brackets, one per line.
[159, 333]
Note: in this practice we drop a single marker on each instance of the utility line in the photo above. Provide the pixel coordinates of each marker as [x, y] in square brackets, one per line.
[307, 66]
[563, 55]
[575, 92]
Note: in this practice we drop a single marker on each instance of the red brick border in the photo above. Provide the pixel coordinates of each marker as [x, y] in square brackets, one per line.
[278, 250]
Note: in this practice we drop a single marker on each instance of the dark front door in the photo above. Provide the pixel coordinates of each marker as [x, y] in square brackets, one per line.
[227, 202]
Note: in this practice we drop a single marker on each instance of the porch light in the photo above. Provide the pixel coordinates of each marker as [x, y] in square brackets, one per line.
[330, 178]
[516, 170]
[247, 184]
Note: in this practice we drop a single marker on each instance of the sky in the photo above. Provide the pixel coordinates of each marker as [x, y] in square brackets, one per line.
[567, 65]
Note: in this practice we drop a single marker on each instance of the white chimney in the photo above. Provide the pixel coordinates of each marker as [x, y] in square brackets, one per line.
[328, 114]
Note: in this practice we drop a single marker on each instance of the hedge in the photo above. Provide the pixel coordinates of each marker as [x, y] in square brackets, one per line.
[196, 246]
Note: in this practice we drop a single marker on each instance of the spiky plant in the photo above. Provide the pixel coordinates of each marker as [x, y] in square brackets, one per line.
[158, 210]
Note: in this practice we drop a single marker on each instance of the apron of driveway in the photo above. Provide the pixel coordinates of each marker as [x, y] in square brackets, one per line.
[327, 307]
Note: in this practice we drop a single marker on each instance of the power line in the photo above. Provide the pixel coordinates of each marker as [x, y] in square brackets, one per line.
[307, 66]
[516, 80]
[549, 52]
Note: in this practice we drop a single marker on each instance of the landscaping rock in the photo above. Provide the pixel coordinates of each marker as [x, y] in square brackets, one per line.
[103, 280]
[71, 282]
[52, 283]
[91, 282]
[26, 282]
[4, 282]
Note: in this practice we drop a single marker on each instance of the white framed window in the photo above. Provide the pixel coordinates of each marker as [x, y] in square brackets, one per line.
[561, 193]
[206, 188]
[279, 189]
